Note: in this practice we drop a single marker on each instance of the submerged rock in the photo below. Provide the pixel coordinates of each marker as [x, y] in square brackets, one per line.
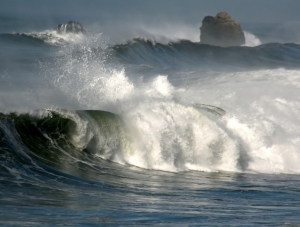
[70, 27]
[221, 30]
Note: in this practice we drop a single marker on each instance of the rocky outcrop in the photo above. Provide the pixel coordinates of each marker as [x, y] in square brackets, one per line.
[70, 27]
[221, 30]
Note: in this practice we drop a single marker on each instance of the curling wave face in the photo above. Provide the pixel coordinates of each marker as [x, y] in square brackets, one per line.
[59, 138]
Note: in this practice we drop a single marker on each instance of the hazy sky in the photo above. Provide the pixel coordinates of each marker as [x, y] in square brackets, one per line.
[188, 11]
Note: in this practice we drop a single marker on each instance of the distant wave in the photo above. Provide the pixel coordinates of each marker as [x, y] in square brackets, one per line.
[48, 37]
[184, 52]
[21, 38]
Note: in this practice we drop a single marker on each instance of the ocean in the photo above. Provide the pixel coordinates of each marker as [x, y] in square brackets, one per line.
[149, 128]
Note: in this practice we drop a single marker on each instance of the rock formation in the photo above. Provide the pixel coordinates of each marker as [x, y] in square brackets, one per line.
[221, 30]
[70, 27]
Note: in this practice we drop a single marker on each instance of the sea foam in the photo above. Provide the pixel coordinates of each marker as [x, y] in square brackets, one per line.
[258, 133]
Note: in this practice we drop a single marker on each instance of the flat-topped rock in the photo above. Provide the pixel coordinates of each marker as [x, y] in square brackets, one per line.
[221, 30]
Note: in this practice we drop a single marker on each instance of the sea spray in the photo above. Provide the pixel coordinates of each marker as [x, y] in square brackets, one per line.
[251, 40]
[262, 114]
[164, 129]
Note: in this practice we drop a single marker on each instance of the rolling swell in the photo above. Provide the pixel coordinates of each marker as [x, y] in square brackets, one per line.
[180, 54]
[187, 53]
[47, 37]
[61, 140]
[21, 38]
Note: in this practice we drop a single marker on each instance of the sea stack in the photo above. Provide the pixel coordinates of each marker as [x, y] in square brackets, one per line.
[70, 27]
[221, 30]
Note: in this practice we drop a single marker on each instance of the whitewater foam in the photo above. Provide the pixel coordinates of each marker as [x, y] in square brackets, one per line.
[262, 114]
[166, 131]
[54, 38]
[165, 135]
[172, 137]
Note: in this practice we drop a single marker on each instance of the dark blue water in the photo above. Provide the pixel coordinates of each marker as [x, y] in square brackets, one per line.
[152, 130]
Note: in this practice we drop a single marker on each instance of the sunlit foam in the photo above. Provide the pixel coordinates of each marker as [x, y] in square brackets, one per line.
[259, 133]
[262, 115]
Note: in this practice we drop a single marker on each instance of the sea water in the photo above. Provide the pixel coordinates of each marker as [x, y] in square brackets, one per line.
[154, 130]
